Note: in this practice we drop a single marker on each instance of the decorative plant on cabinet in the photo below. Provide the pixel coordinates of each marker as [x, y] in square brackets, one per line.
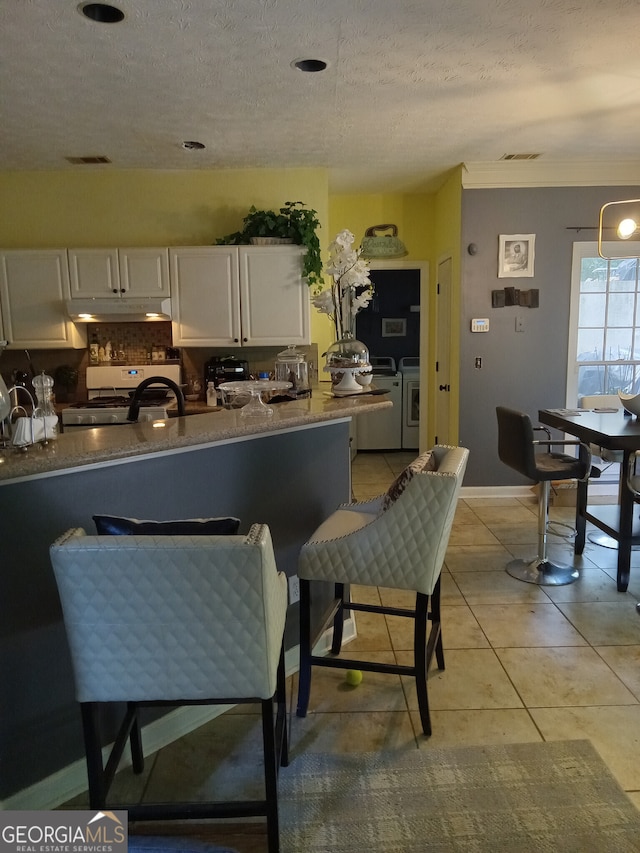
[293, 223]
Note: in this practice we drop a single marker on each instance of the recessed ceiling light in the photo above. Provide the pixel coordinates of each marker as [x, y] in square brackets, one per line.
[309, 65]
[192, 145]
[102, 13]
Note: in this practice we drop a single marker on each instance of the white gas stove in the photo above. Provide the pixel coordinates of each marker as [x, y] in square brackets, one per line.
[109, 391]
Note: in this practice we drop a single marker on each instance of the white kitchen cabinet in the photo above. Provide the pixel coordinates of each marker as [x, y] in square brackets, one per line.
[235, 296]
[34, 284]
[121, 273]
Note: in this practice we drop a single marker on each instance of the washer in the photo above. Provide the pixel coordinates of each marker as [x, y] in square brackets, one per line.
[382, 430]
[410, 370]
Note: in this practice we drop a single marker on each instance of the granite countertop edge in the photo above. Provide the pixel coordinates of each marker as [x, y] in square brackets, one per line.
[79, 448]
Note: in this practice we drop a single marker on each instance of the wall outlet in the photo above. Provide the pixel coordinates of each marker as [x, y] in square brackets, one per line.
[294, 589]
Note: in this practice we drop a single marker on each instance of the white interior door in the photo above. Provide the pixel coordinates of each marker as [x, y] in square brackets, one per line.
[442, 396]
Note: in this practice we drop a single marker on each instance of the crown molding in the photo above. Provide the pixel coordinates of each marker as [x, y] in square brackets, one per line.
[540, 173]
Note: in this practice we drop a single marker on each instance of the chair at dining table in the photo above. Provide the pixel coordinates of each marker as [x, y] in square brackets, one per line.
[519, 449]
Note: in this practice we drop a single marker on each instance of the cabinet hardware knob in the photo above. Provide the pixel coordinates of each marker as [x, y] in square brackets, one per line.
[445, 388]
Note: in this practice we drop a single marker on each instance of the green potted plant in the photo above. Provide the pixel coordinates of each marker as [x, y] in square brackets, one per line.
[293, 223]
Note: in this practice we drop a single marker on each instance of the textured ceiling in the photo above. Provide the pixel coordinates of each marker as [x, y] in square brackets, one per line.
[412, 88]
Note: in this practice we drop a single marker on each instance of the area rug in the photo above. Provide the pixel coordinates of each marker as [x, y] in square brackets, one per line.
[519, 798]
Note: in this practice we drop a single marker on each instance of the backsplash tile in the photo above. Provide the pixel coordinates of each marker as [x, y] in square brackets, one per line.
[131, 343]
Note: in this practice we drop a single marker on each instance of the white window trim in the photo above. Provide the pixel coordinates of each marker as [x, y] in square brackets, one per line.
[582, 250]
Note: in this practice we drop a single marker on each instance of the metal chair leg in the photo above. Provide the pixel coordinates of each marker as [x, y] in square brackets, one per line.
[541, 570]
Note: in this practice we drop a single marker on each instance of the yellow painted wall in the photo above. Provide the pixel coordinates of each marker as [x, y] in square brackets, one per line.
[413, 215]
[137, 208]
[96, 208]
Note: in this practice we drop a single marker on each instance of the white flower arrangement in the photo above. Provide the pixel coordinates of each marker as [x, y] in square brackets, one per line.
[352, 288]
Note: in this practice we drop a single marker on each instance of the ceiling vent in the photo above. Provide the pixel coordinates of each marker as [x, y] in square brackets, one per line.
[520, 156]
[87, 161]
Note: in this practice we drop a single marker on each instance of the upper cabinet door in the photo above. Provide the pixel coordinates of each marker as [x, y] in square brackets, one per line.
[34, 285]
[143, 272]
[119, 273]
[274, 296]
[94, 272]
[205, 296]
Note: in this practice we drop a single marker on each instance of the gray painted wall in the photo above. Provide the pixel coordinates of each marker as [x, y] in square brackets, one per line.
[525, 370]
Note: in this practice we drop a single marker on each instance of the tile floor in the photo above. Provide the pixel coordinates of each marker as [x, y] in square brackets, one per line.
[523, 663]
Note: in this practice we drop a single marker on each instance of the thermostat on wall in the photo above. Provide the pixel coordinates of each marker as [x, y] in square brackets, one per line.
[480, 325]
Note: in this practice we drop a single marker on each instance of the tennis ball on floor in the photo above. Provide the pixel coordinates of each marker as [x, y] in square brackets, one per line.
[353, 677]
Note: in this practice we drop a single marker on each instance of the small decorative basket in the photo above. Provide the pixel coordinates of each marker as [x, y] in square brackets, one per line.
[271, 241]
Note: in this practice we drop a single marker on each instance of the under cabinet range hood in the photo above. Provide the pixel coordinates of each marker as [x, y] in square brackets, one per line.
[118, 310]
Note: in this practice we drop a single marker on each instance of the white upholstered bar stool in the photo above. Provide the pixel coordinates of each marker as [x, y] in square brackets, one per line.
[175, 620]
[397, 540]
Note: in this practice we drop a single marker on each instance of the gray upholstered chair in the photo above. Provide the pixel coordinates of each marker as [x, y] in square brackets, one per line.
[517, 448]
[396, 540]
[175, 620]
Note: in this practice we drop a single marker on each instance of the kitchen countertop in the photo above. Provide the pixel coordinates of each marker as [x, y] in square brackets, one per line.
[83, 447]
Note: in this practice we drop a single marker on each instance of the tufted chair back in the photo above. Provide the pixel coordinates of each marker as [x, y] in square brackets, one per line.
[174, 620]
[171, 617]
[397, 540]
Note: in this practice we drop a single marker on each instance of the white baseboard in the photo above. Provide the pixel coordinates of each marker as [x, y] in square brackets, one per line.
[71, 781]
[470, 492]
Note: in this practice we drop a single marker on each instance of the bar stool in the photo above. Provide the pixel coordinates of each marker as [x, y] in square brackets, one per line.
[397, 540]
[175, 620]
[517, 449]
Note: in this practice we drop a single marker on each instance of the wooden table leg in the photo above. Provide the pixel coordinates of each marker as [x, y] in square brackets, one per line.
[625, 534]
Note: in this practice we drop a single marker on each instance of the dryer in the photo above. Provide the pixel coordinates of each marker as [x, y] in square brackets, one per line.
[382, 430]
[410, 372]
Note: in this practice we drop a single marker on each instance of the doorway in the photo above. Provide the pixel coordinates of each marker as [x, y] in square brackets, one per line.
[442, 395]
[394, 324]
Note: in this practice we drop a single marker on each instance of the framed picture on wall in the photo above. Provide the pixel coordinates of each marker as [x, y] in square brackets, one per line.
[394, 327]
[516, 255]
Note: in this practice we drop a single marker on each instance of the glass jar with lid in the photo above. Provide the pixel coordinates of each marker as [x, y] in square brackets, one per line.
[44, 414]
[291, 366]
[347, 359]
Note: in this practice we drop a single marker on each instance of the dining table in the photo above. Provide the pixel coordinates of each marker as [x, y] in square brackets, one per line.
[613, 429]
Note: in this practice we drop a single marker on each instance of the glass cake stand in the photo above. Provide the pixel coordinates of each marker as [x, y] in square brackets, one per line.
[256, 407]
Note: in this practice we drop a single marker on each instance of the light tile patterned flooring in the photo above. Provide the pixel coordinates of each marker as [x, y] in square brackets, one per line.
[523, 663]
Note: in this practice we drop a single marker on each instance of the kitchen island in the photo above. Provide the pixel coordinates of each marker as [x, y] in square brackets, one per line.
[289, 471]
